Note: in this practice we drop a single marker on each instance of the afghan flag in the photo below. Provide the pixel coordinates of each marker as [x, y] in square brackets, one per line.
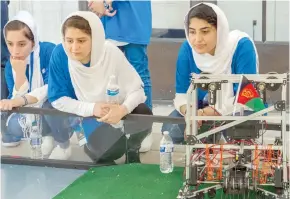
[249, 96]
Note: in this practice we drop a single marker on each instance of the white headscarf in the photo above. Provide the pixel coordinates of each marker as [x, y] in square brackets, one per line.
[106, 59]
[37, 80]
[221, 61]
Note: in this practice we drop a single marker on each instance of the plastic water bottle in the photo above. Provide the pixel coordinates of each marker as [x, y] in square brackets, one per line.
[113, 97]
[166, 153]
[36, 141]
[113, 90]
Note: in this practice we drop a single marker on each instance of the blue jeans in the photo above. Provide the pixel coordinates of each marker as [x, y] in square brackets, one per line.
[60, 126]
[176, 131]
[13, 131]
[57, 126]
[136, 54]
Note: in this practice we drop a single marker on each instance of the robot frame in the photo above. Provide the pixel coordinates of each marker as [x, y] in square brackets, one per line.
[242, 164]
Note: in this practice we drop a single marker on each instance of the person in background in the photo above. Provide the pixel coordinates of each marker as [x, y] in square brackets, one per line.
[79, 74]
[4, 50]
[128, 24]
[26, 73]
[210, 48]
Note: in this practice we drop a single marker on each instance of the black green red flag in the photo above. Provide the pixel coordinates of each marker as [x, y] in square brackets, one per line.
[249, 96]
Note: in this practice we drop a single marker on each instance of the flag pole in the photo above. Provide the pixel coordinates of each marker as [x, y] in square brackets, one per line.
[236, 97]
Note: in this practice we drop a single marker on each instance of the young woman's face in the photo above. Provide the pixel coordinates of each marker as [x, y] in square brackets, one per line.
[202, 36]
[18, 44]
[78, 44]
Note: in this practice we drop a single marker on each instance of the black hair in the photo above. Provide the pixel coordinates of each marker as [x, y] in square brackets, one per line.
[19, 25]
[204, 12]
[79, 23]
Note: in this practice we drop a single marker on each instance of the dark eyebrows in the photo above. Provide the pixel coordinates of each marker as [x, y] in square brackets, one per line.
[23, 41]
[204, 28]
[77, 38]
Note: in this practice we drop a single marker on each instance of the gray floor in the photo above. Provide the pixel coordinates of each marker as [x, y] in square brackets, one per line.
[27, 182]
[44, 183]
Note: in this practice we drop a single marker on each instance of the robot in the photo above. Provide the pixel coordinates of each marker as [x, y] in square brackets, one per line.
[241, 166]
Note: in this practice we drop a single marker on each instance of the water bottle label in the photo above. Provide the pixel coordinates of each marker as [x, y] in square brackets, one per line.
[113, 92]
[35, 141]
[166, 149]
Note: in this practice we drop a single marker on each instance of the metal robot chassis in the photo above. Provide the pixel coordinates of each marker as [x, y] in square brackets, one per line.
[235, 178]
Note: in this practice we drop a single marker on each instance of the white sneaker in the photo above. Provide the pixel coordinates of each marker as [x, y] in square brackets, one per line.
[10, 144]
[121, 160]
[60, 153]
[47, 145]
[146, 144]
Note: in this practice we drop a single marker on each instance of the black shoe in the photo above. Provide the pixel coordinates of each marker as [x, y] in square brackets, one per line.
[133, 157]
[100, 161]
[106, 162]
